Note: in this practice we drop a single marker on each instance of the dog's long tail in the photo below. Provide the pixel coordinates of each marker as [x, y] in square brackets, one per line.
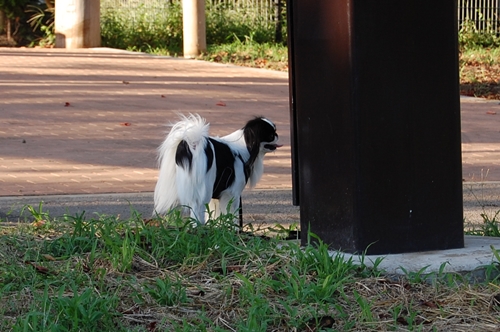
[183, 163]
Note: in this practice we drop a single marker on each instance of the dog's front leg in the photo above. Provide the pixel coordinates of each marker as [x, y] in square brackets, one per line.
[230, 205]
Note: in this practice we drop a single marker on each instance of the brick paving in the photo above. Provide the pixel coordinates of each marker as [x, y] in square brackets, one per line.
[89, 121]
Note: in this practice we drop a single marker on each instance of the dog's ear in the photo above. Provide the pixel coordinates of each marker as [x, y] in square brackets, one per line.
[253, 145]
[251, 138]
[252, 134]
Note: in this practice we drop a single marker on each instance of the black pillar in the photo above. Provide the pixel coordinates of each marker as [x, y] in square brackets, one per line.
[375, 113]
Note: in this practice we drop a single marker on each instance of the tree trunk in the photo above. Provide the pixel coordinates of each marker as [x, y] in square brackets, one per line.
[2, 22]
[278, 34]
[9, 30]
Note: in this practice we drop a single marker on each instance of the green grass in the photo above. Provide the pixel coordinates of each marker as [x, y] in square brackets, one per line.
[142, 29]
[103, 273]
[248, 52]
[490, 225]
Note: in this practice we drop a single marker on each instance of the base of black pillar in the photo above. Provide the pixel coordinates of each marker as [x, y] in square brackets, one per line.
[375, 116]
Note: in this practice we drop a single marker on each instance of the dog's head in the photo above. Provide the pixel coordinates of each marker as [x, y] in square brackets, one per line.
[260, 136]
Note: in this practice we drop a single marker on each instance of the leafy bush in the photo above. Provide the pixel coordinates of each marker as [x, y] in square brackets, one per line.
[17, 26]
[470, 37]
[225, 24]
[42, 24]
[142, 29]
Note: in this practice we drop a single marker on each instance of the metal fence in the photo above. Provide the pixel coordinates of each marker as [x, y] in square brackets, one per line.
[135, 8]
[483, 14]
[262, 10]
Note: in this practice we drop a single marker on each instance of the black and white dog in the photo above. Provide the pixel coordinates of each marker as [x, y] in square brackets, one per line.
[196, 169]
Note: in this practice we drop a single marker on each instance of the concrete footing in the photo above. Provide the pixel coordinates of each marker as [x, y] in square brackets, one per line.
[473, 260]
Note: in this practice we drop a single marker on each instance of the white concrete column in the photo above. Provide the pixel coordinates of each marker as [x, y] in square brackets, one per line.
[194, 27]
[77, 23]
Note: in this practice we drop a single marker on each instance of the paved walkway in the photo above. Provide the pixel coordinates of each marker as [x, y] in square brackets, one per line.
[89, 121]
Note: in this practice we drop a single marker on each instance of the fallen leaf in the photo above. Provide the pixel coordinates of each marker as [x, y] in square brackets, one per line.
[132, 310]
[430, 304]
[66, 104]
[231, 268]
[196, 292]
[48, 257]
[496, 299]
[402, 320]
[384, 316]
[38, 268]
[38, 223]
[221, 103]
[152, 326]
[236, 268]
[126, 124]
[163, 96]
[323, 322]
[491, 112]
[152, 222]
[85, 268]
[125, 82]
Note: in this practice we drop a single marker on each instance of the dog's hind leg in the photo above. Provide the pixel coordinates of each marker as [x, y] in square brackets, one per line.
[230, 204]
[214, 208]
